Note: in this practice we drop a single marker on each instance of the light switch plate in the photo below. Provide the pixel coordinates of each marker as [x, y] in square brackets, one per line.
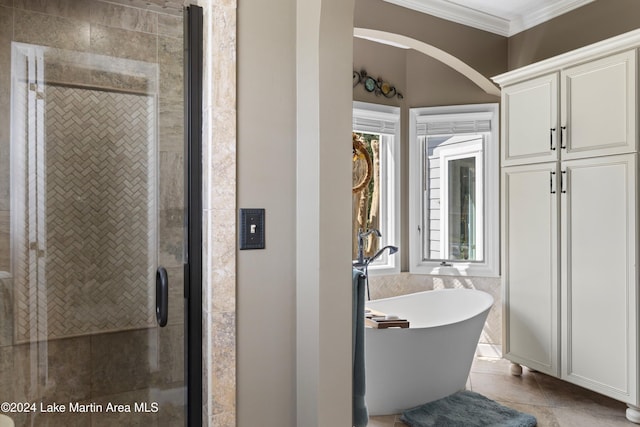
[252, 228]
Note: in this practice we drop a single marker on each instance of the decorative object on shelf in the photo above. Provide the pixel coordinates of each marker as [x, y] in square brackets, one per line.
[377, 86]
[362, 165]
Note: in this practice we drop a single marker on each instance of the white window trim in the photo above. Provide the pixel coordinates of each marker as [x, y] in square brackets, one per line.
[419, 117]
[454, 153]
[385, 120]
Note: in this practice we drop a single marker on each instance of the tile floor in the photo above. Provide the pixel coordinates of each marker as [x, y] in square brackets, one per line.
[554, 403]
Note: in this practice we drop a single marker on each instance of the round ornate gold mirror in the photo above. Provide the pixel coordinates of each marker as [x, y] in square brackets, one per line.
[362, 167]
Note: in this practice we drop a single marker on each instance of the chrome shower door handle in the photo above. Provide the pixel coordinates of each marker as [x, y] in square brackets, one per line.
[162, 296]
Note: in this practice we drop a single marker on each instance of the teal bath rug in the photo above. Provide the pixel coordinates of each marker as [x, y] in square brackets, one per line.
[466, 409]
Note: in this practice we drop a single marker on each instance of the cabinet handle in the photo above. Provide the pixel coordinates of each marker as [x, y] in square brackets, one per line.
[551, 131]
[562, 131]
[551, 174]
[562, 182]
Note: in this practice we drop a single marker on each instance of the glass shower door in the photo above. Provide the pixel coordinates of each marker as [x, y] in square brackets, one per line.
[91, 204]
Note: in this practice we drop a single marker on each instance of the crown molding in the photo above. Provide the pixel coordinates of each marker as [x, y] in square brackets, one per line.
[539, 15]
[484, 21]
[456, 13]
[611, 46]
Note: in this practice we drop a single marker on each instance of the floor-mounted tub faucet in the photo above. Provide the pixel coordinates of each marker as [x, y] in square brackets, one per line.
[360, 262]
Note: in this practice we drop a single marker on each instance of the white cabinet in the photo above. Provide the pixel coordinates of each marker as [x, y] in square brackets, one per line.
[597, 102]
[598, 107]
[570, 297]
[598, 256]
[530, 267]
[530, 121]
[569, 201]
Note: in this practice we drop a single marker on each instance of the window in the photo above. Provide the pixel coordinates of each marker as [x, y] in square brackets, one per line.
[454, 190]
[377, 205]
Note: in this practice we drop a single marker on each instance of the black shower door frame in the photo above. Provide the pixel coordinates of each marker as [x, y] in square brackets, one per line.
[193, 201]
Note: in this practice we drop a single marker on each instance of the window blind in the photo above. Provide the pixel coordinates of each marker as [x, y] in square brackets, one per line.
[449, 124]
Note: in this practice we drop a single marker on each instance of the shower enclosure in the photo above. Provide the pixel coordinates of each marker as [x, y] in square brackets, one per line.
[91, 204]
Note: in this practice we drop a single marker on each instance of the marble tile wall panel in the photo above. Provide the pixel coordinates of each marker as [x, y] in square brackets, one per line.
[171, 225]
[171, 354]
[6, 284]
[65, 375]
[56, 420]
[170, 7]
[176, 296]
[123, 43]
[6, 310]
[224, 356]
[6, 32]
[226, 419]
[123, 361]
[27, 361]
[5, 241]
[171, 126]
[219, 154]
[170, 25]
[68, 373]
[64, 72]
[126, 18]
[171, 415]
[58, 370]
[122, 81]
[74, 9]
[171, 237]
[223, 261]
[170, 61]
[208, 325]
[61, 32]
[6, 374]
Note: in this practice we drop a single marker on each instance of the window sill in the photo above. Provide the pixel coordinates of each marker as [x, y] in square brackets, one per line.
[455, 269]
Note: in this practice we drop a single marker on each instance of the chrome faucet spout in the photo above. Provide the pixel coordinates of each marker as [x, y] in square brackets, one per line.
[361, 235]
[392, 250]
[362, 263]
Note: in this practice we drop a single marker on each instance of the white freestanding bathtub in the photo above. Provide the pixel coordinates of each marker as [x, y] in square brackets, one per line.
[429, 360]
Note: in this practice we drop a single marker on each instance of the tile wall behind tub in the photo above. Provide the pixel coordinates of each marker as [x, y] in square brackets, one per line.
[6, 32]
[104, 28]
[406, 283]
[7, 384]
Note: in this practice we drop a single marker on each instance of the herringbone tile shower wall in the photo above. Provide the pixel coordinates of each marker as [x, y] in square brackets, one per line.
[99, 205]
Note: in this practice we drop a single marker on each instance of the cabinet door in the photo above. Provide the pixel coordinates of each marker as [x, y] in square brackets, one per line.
[529, 117]
[599, 107]
[530, 260]
[599, 310]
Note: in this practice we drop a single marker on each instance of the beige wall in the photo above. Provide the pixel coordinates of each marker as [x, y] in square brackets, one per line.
[591, 23]
[267, 179]
[292, 102]
[486, 52]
